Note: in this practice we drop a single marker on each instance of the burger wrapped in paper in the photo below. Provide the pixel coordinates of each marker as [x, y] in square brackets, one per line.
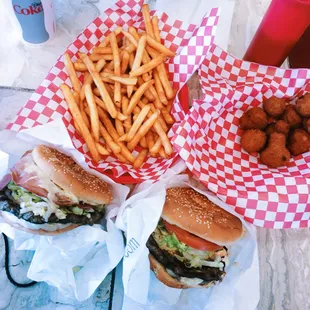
[189, 247]
[49, 193]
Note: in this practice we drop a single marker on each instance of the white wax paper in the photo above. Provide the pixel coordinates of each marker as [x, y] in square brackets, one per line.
[77, 261]
[139, 216]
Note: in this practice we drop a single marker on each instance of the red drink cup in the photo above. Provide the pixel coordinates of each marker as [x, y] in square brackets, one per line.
[283, 24]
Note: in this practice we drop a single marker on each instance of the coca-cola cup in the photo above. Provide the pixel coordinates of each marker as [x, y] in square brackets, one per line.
[36, 18]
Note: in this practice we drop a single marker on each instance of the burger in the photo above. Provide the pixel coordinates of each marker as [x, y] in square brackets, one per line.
[189, 247]
[47, 192]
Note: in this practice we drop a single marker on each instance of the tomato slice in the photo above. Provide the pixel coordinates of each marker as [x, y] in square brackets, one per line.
[190, 239]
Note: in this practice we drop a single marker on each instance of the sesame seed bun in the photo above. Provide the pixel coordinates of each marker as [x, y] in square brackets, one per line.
[68, 175]
[163, 276]
[195, 213]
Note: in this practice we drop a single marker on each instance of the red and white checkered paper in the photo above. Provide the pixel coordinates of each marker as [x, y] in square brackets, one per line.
[191, 43]
[208, 140]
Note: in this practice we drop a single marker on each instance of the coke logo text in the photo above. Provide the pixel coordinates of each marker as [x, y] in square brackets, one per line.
[34, 8]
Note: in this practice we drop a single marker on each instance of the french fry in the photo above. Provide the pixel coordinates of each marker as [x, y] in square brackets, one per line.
[96, 91]
[97, 57]
[143, 131]
[162, 75]
[122, 158]
[147, 20]
[159, 47]
[122, 138]
[125, 62]
[100, 103]
[85, 118]
[125, 103]
[159, 88]
[106, 40]
[147, 93]
[99, 66]
[102, 50]
[101, 87]
[126, 153]
[156, 29]
[80, 67]
[130, 37]
[76, 98]
[119, 127]
[140, 50]
[120, 116]
[94, 118]
[76, 114]
[106, 80]
[137, 96]
[146, 77]
[141, 104]
[156, 147]
[77, 128]
[136, 110]
[120, 79]
[143, 142]
[138, 122]
[157, 102]
[117, 69]
[131, 61]
[167, 116]
[149, 66]
[86, 76]
[150, 140]
[169, 106]
[112, 131]
[163, 137]
[71, 72]
[145, 58]
[108, 140]
[127, 122]
[140, 159]
[101, 149]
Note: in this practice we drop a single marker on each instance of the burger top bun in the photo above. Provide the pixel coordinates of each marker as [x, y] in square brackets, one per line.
[68, 175]
[163, 276]
[195, 213]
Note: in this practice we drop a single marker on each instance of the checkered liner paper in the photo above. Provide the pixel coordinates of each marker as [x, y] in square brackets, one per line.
[191, 43]
[208, 140]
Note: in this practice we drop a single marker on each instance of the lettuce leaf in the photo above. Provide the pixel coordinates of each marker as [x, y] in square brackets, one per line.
[189, 256]
[18, 193]
[32, 202]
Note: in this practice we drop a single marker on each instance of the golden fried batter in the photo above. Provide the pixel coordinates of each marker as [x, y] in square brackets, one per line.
[253, 140]
[274, 106]
[254, 118]
[303, 105]
[298, 142]
[276, 154]
[291, 117]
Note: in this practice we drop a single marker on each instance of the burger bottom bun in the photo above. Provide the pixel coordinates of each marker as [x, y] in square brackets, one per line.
[37, 229]
[164, 277]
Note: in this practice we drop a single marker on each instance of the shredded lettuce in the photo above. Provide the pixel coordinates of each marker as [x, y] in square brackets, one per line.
[18, 193]
[30, 202]
[189, 256]
[77, 210]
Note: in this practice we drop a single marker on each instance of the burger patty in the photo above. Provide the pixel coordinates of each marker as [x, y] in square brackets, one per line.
[208, 274]
[8, 205]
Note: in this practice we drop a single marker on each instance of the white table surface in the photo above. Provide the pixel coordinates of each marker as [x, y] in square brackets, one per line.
[284, 254]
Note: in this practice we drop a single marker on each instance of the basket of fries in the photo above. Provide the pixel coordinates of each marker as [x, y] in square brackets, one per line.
[117, 89]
